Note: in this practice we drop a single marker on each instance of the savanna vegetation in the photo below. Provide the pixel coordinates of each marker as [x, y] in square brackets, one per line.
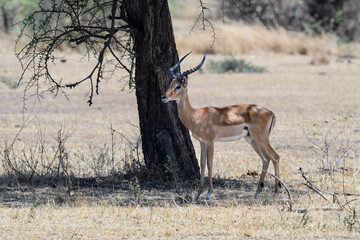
[73, 171]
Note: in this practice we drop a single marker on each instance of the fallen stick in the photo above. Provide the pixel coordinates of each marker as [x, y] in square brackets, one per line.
[324, 208]
[287, 190]
[310, 185]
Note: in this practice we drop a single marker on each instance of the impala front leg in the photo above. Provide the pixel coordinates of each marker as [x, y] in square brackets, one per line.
[202, 168]
[210, 155]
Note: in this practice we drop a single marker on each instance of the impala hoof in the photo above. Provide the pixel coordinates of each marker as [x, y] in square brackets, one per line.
[208, 196]
[256, 195]
[197, 195]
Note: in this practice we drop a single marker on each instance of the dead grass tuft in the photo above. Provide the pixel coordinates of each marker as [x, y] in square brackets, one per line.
[320, 58]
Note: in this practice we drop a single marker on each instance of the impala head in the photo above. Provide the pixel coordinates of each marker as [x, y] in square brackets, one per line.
[179, 81]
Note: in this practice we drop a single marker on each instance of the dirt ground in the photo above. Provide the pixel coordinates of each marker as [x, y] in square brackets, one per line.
[303, 96]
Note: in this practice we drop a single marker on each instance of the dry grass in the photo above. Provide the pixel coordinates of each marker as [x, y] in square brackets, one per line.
[236, 39]
[299, 93]
[192, 222]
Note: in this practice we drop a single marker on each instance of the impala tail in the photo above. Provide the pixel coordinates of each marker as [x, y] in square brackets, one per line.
[272, 124]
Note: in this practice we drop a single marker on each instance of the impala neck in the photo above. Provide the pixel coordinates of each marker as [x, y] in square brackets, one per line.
[186, 111]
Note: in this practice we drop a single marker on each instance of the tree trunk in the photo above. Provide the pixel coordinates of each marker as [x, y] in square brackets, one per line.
[5, 18]
[164, 137]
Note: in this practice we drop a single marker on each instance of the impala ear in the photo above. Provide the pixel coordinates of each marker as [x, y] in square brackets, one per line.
[184, 81]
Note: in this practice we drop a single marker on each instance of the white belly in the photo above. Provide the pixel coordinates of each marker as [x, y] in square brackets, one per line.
[236, 134]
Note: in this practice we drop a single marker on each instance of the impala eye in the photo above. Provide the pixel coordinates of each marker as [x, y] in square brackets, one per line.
[177, 87]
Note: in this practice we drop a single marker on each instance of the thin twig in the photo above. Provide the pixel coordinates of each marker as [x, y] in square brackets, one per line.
[287, 190]
[204, 22]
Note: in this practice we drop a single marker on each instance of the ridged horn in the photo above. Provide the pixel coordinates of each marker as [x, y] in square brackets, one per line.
[172, 75]
[187, 72]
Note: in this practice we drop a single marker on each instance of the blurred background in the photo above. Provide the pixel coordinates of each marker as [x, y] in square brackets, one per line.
[280, 26]
[315, 27]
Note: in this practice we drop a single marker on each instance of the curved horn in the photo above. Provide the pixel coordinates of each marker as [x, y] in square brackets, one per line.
[172, 75]
[187, 72]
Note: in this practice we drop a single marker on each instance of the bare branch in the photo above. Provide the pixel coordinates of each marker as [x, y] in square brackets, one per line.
[204, 22]
[119, 61]
[310, 185]
[89, 26]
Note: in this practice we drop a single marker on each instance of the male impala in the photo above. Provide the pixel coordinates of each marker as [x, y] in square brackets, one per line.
[211, 124]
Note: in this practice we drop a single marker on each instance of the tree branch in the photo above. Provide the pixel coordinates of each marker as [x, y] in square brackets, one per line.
[204, 22]
[88, 25]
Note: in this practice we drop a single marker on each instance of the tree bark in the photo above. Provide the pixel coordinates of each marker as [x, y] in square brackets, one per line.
[164, 137]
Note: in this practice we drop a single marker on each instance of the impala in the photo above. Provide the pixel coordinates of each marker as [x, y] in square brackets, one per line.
[212, 124]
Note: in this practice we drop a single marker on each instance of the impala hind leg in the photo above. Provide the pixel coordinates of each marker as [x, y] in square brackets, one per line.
[276, 161]
[274, 157]
[265, 160]
[266, 148]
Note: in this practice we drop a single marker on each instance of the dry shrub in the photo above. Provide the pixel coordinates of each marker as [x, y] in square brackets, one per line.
[38, 161]
[336, 162]
[46, 161]
[234, 65]
[245, 39]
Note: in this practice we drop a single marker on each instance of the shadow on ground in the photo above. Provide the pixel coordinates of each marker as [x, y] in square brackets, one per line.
[227, 192]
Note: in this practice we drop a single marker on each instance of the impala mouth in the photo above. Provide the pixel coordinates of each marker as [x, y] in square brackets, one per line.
[164, 99]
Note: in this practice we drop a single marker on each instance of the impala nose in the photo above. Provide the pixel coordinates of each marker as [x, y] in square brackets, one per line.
[163, 99]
